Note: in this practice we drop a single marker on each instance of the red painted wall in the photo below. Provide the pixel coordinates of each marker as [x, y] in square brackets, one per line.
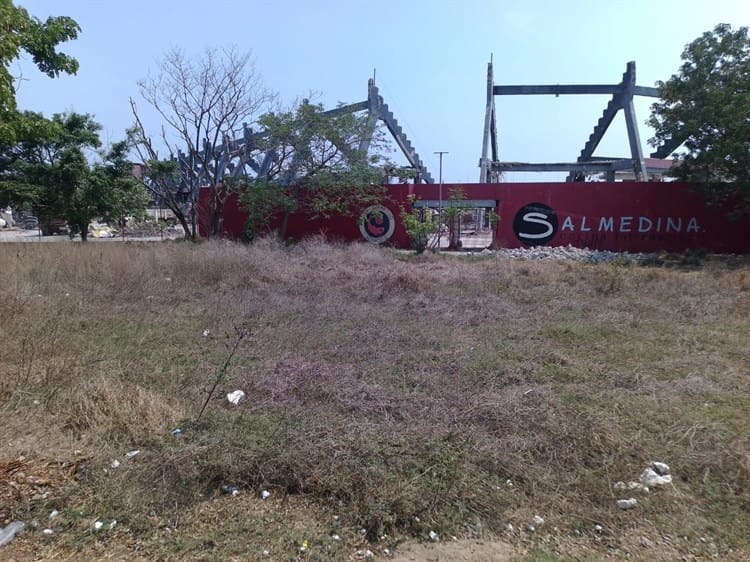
[633, 217]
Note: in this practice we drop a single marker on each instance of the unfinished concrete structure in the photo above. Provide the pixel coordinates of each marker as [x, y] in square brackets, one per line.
[621, 98]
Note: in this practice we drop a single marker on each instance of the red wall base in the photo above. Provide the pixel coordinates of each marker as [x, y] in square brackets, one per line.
[632, 217]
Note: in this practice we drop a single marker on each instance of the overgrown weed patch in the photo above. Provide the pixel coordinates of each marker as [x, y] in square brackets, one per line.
[402, 394]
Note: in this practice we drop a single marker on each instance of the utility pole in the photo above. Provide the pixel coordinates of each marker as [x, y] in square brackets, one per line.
[440, 194]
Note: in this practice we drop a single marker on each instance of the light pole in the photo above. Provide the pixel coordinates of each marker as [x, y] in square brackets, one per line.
[440, 194]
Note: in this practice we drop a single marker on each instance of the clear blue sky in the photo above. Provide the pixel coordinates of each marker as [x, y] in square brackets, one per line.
[431, 60]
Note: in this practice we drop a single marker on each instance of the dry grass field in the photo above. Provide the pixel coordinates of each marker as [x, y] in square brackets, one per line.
[388, 395]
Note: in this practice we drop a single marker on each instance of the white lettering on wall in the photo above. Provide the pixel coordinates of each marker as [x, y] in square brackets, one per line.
[537, 218]
[623, 224]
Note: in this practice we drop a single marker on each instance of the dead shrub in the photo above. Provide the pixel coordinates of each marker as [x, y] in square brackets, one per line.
[109, 411]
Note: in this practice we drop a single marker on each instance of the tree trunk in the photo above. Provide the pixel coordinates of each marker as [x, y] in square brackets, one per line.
[218, 197]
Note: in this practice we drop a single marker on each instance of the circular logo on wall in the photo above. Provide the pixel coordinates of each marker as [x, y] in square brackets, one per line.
[535, 224]
[377, 224]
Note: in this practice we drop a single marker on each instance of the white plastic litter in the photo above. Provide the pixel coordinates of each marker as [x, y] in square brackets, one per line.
[131, 454]
[335, 537]
[265, 494]
[630, 503]
[651, 479]
[97, 526]
[236, 397]
[48, 532]
[433, 536]
[54, 513]
[7, 533]
[206, 333]
[537, 520]
[115, 463]
[632, 486]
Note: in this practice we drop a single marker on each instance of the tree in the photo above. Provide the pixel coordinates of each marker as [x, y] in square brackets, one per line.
[707, 103]
[204, 104]
[51, 174]
[317, 168]
[420, 224]
[119, 193]
[22, 32]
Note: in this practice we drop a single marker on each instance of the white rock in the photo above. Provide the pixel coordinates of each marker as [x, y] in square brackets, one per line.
[265, 553]
[433, 536]
[206, 333]
[265, 494]
[537, 521]
[115, 463]
[131, 454]
[48, 532]
[630, 503]
[54, 513]
[97, 526]
[335, 537]
[620, 486]
[598, 528]
[236, 397]
[651, 479]
[509, 528]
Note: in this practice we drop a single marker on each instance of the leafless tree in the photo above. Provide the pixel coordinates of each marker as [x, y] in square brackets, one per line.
[203, 104]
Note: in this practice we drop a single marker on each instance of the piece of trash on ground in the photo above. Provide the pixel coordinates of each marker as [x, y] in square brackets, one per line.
[629, 503]
[7, 533]
[230, 489]
[236, 397]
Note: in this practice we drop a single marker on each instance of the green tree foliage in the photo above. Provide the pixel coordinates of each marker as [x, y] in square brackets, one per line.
[707, 103]
[22, 32]
[420, 224]
[317, 167]
[116, 193]
[50, 174]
